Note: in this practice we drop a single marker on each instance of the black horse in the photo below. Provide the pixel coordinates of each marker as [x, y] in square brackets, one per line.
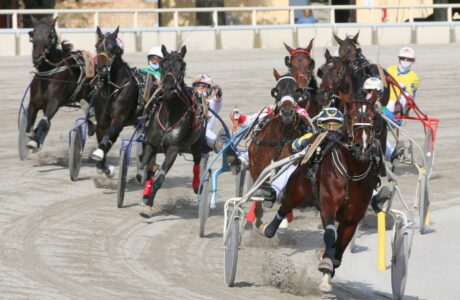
[59, 80]
[175, 127]
[351, 53]
[116, 105]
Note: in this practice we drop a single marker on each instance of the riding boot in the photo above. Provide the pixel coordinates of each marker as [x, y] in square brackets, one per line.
[380, 198]
[268, 193]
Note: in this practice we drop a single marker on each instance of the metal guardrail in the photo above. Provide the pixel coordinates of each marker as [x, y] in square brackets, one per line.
[253, 10]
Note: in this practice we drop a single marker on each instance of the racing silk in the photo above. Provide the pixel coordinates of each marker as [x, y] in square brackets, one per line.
[215, 104]
[408, 78]
[301, 142]
[155, 73]
[244, 120]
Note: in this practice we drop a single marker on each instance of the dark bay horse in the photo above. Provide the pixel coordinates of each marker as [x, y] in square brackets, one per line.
[117, 96]
[59, 80]
[275, 135]
[174, 127]
[302, 67]
[350, 52]
[339, 181]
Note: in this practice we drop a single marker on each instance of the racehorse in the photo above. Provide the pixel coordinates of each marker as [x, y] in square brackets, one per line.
[174, 127]
[301, 66]
[275, 135]
[350, 52]
[339, 181]
[337, 78]
[59, 80]
[117, 96]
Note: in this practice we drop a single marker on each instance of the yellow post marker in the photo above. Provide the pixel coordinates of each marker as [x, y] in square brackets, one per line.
[381, 240]
[427, 218]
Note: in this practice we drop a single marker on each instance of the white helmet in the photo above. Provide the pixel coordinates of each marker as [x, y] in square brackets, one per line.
[155, 51]
[203, 78]
[373, 83]
[407, 52]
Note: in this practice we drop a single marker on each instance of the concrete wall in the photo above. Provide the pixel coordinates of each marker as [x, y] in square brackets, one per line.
[246, 37]
[8, 42]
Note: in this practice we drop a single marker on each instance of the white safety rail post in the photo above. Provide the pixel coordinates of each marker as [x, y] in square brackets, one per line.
[176, 18]
[254, 17]
[96, 18]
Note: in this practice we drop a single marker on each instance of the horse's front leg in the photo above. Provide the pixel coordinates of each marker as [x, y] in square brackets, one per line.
[43, 126]
[157, 180]
[101, 166]
[109, 138]
[345, 234]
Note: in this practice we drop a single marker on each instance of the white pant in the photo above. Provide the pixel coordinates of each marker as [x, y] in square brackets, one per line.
[210, 135]
[280, 183]
[389, 151]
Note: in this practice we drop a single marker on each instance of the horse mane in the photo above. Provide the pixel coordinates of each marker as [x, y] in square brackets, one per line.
[66, 47]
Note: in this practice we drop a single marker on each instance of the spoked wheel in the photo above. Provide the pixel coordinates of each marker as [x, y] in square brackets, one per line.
[122, 171]
[429, 152]
[231, 251]
[399, 262]
[22, 137]
[204, 198]
[239, 184]
[75, 153]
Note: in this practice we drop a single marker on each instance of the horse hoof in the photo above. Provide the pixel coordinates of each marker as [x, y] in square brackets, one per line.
[325, 266]
[325, 285]
[262, 228]
[32, 145]
[97, 155]
[110, 171]
[284, 224]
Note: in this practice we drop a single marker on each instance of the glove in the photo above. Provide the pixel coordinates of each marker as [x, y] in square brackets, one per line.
[302, 112]
[218, 90]
[391, 115]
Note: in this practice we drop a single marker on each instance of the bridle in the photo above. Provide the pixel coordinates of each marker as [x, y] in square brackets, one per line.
[357, 124]
[46, 51]
[306, 93]
[332, 93]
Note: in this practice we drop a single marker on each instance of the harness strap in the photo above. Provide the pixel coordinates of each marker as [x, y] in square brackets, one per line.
[50, 72]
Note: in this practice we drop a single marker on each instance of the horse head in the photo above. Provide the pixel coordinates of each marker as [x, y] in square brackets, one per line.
[43, 38]
[359, 124]
[335, 78]
[286, 93]
[172, 70]
[300, 63]
[349, 49]
[107, 51]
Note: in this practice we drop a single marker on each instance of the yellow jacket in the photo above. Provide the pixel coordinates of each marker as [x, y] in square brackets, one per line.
[409, 78]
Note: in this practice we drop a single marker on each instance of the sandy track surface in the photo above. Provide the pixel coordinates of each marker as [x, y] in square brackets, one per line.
[67, 240]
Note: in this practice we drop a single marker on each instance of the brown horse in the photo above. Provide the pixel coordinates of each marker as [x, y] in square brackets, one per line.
[59, 80]
[339, 181]
[302, 66]
[117, 96]
[277, 132]
[337, 78]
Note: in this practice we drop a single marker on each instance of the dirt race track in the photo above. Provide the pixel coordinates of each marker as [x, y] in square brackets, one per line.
[67, 240]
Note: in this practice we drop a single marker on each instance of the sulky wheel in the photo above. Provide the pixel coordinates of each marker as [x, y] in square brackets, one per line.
[204, 202]
[399, 261]
[231, 251]
[122, 171]
[75, 153]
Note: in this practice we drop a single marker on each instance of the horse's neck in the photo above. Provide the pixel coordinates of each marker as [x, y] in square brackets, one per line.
[54, 56]
[119, 71]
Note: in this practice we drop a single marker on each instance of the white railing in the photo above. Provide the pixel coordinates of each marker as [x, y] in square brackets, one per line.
[253, 12]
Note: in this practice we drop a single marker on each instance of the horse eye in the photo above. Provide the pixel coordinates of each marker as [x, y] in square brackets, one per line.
[275, 92]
